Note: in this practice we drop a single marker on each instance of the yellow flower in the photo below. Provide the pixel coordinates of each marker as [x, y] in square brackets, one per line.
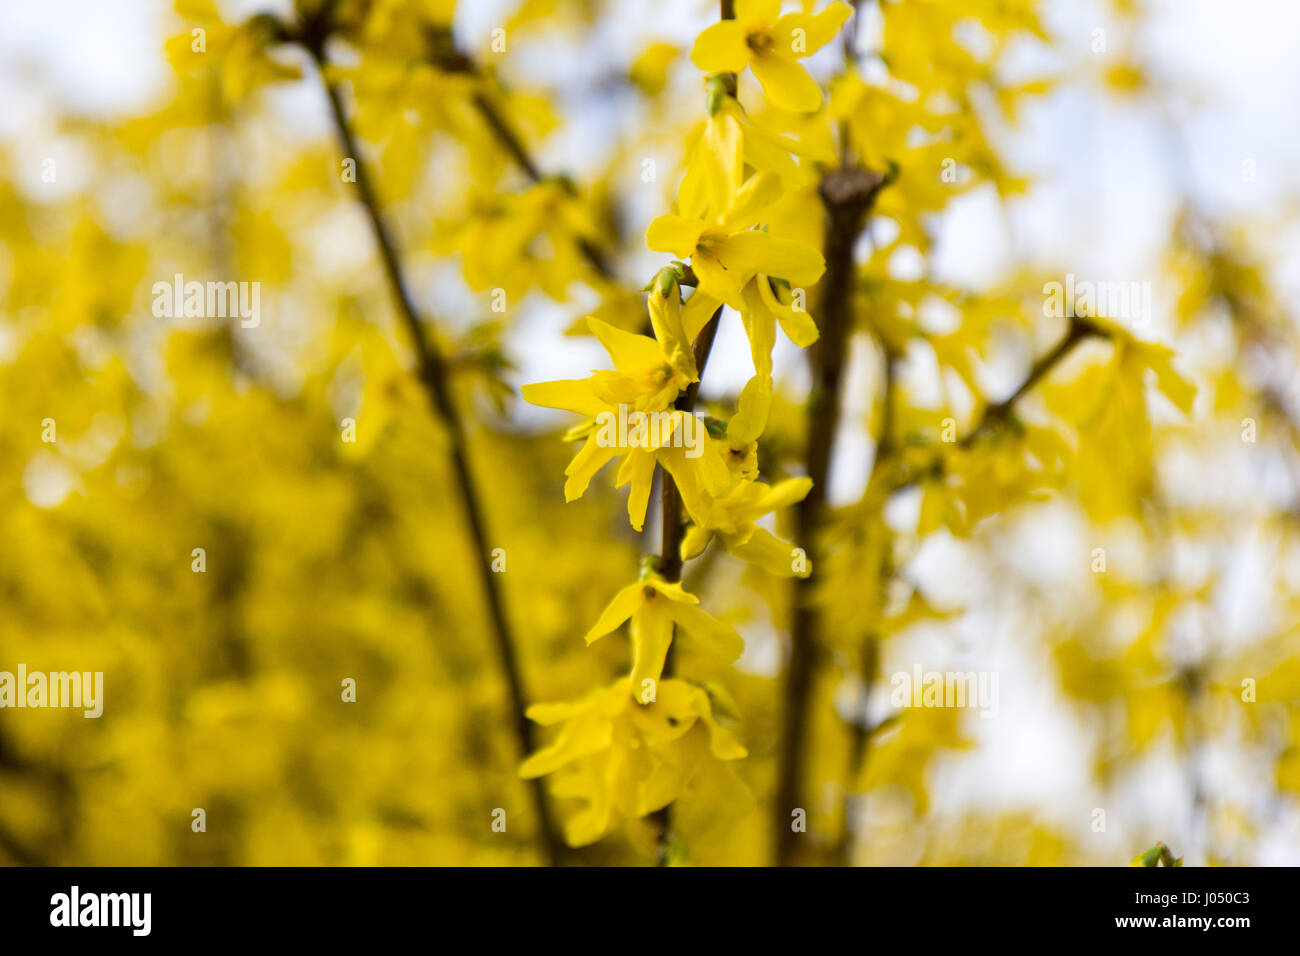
[646, 379]
[718, 152]
[732, 519]
[764, 307]
[771, 45]
[654, 606]
[245, 54]
[726, 253]
[620, 756]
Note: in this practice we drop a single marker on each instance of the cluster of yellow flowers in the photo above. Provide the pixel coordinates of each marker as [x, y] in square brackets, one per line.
[633, 747]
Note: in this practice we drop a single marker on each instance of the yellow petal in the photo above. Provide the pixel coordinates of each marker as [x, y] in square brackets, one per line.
[786, 83]
[584, 466]
[623, 606]
[765, 550]
[818, 29]
[760, 326]
[577, 739]
[721, 48]
[639, 469]
[697, 311]
[725, 151]
[630, 352]
[675, 234]
[673, 590]
[751, 412]
[652, 634]
[572, 395]
[785, 493]
[710, 633]
[748, 253]
[695, 541]
[758, 192]
[1175, 387]
[797, 324]
[757, 12]
[717, 281]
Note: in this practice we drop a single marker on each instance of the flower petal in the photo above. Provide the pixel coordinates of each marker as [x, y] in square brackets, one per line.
[721, 48]
[752, 199]
[786, 83]
[710, 633]
[584, 466]
[578, 738]
[785, 493]
[697, 311]
[694, 541]
[675, 234]
[630, 351]
[751, 412]
[652, 634]
[639, 469]
[572, 395]
[625, 604]
[760, 326]
[717, 281]
[818, 29]
[765, 550]
[752, 252]
[797, 324]
[757, 12]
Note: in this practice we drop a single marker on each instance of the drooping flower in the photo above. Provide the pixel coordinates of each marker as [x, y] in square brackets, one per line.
[771, 45]
[717, 154]
[725, 252]
[654, 606]
[627, 758]
[628, 414]
[732, 519]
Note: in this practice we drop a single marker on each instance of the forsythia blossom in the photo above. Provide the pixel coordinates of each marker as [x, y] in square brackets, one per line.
[630, 758]
[771, 45]
[654, 606]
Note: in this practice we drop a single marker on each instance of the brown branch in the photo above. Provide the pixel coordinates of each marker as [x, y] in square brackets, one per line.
[432, 372]
[670, 548]
[993, 415]
[670, 500]
[861, 731]
[860, 739]
[847, 194]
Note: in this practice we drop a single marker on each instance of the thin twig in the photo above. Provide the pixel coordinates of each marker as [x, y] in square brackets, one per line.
[670, 549]
[445, 56]
[995, 413]
[670, 499]
[432, 371]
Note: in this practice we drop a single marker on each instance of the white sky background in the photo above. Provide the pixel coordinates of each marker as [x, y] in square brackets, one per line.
[1109, 176]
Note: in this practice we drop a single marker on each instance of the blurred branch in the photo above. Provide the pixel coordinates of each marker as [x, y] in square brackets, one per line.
[848, 194]
[996, 413]
[861, 731]
[448, 58]
[433, 376]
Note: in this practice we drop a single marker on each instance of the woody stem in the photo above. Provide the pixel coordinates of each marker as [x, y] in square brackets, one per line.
[432, 373]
